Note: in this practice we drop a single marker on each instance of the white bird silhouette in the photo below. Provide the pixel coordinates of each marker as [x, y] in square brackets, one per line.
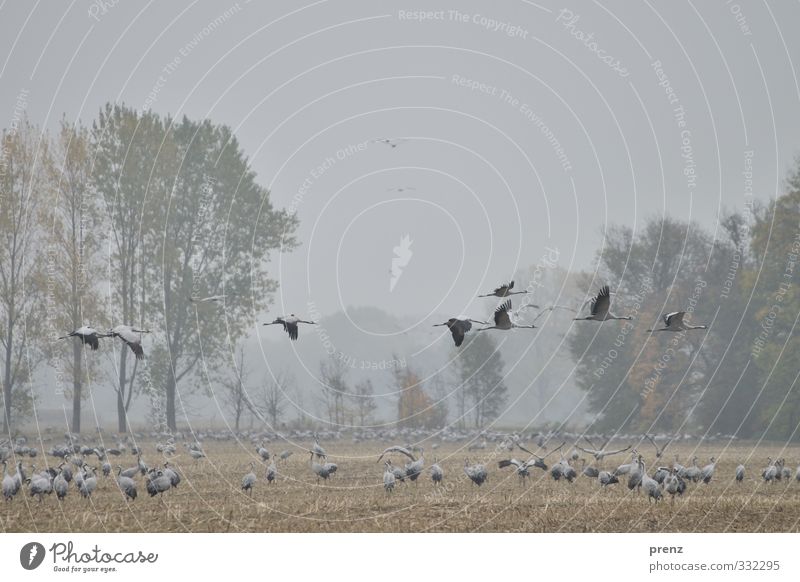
[402, 256]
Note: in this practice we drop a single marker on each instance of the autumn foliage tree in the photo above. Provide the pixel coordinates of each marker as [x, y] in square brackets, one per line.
[415, 407]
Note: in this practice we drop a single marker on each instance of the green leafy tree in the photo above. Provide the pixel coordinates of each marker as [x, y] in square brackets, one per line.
[632, 379]
[776, 244]
[216, 230]
[132, 157]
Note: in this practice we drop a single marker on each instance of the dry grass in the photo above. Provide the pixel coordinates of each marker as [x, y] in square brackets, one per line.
[209, 498]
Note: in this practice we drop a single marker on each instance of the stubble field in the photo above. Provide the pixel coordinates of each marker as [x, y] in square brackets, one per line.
[209, 497]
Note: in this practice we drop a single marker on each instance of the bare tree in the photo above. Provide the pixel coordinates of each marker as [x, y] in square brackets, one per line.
[273, 398]
[235, 395]
[333, 374]
[364, 403]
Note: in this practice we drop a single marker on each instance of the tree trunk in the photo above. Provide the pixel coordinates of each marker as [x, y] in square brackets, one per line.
[171, 424]
[122, 420]
[77, 385]
[7, 380]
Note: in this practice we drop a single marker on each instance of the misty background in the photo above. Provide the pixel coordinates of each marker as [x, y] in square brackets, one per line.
[523, 137]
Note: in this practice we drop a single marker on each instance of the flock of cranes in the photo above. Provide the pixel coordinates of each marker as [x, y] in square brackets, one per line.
[129, 335]
[504, 319]
[599, 310]
[75, 468]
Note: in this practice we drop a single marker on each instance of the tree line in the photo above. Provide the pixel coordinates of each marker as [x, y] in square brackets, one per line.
[743, 280]
[128, 220]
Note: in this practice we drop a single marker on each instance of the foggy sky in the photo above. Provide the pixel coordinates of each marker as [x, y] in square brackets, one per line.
[528, 126]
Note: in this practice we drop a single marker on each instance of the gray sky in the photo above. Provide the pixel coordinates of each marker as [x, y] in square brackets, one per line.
[527, 125]
[302, 83]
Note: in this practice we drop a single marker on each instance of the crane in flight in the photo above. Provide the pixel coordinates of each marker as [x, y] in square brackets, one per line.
[502, 319]
[290, 324]
[88, 336]
[674, 322]
[459, 326]
[601, 307]
[391, 142]
[131, 336]
[210, 299]
[505, 290]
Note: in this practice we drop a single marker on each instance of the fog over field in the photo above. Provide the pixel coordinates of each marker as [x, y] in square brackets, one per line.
[374, 167]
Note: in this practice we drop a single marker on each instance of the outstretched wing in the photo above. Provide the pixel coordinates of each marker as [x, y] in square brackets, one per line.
[131, 338]
[601, 301]
[501, 313]
[291, 329]
[136, 348]
[508, 462]
[91, 340]
[558, 448]
[521, 447]
[587, 451]
[674, 318]
[398, 449]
